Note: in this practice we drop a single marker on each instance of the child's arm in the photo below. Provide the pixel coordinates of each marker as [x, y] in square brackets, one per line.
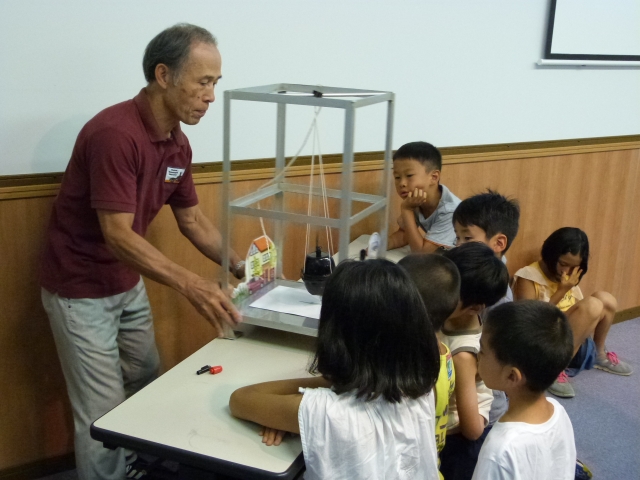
[396, 240]
[414, 238]
[273, 404]
[466, 368]
[524, 289]
[412, 234]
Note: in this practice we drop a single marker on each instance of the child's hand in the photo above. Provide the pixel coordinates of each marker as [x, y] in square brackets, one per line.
[414, 199]
[569, 281]
[271, 436]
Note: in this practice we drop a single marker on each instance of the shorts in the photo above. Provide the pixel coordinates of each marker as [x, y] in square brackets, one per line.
[459, 457]
[583, 359]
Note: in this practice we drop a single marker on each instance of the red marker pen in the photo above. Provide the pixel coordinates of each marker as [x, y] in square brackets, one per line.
[215, 370]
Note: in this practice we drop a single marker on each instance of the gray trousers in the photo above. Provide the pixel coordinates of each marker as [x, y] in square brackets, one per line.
[107, 350]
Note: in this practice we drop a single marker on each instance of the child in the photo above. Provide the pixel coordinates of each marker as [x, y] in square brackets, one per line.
[484, 280]
[554, 279]
[492, 219]
[438, 282]
[371, 414]
[426, 204]
[524, 346]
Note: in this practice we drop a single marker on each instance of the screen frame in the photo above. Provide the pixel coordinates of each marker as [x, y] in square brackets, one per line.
[571, 56]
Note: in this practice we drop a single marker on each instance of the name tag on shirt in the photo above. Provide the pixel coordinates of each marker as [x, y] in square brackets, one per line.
[174, 175]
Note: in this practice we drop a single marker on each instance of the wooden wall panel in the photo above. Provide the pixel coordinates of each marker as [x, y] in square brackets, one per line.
[596, 191]
[35, 416]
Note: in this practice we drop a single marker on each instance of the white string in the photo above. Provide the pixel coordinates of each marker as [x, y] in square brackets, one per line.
[284, 171]
[310, 196]
[266, 238]
[325, 201]
[295, 157]
[313, 128]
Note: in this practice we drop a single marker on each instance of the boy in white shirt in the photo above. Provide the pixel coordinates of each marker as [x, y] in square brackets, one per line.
[523, 348]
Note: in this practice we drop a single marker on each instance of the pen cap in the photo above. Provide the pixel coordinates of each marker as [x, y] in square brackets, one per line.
[216, 369]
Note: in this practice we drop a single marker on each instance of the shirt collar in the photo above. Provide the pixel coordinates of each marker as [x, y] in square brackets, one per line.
[151, 124]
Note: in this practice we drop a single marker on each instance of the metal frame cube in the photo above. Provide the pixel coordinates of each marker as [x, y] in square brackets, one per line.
[318, 96]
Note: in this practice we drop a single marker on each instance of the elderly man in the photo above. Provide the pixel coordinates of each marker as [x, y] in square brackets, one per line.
[128, 161]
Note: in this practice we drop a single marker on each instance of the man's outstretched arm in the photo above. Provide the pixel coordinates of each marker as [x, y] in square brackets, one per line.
[133, 250]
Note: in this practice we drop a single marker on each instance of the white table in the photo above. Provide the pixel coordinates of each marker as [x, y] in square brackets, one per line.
[185, 417]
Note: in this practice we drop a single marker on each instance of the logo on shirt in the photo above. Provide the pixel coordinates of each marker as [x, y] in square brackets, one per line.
[174, 175]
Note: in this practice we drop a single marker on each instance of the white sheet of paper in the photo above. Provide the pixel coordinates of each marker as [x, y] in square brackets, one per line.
[294, 301]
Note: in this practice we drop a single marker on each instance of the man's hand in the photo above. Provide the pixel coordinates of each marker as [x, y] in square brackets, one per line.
[213, 304]
[271, 436]
[567, 282]
[414, 199]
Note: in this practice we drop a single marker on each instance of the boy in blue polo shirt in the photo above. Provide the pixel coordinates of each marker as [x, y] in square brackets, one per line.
[425, 222]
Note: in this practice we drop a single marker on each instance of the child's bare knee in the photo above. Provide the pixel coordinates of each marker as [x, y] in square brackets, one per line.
[592, 307]
[609, 302]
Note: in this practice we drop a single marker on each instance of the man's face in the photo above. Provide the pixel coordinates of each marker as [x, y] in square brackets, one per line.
[188, 97]
[410, 174]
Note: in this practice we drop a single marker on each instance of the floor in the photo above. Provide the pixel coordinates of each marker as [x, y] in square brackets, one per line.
[605, 413]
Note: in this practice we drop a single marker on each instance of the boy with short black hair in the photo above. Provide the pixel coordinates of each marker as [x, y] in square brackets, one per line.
[484, 280]
[438, 281]
[488, 217]
[493, 219]
[524, 347]
[426, 204]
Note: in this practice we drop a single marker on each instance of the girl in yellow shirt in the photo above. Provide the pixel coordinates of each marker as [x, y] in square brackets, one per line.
[554, 279]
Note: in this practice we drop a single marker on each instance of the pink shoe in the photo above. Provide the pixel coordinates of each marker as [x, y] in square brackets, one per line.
[612, 364]
[561, 387]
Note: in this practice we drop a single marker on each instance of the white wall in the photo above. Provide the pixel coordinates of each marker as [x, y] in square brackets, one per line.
[464, 72]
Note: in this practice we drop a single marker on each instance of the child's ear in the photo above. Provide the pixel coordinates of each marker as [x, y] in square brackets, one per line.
[499, 243]
[435, 176]
[474, 309]
[515, 377]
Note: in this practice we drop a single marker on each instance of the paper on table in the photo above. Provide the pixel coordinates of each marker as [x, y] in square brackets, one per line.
[294, 301]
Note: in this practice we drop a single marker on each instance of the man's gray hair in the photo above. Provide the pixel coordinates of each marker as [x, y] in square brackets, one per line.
[171, 47]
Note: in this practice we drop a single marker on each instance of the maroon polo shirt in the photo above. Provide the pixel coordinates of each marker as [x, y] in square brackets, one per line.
[121, 161]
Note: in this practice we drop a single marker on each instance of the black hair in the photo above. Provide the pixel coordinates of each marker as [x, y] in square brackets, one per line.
[438, 282]
[534, 337]
[374, 337]
[172, 47]
[492, 212]
[484, 278]
[423, 152]
[565, 240]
